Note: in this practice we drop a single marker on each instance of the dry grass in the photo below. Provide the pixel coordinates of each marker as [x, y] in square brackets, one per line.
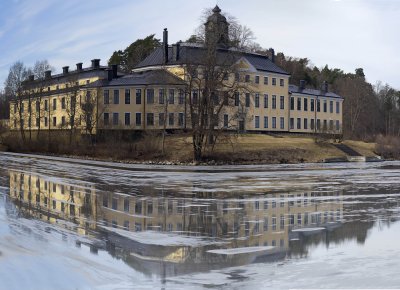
[256, 148]
[243, 149]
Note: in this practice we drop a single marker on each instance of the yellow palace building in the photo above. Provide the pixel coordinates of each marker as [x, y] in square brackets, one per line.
[158, 94]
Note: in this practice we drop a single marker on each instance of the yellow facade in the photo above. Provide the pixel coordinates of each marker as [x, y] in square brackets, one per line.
[263, 104]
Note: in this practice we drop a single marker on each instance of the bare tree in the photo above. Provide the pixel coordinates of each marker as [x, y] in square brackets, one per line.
[241, 36]
[14, 87]
[213, 88]
[39, 87]
[71, 108]
[91, 112]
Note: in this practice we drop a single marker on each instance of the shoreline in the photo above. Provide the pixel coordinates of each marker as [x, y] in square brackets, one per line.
[122, 164]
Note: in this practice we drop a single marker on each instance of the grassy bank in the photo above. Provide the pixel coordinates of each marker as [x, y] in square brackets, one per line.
[241, 149]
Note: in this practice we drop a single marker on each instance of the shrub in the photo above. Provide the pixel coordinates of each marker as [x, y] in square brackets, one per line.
[388, 146]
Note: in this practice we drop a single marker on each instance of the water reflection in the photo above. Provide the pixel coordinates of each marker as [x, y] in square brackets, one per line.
[158, 232]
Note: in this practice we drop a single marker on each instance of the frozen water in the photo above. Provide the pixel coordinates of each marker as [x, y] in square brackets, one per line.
[72, 224]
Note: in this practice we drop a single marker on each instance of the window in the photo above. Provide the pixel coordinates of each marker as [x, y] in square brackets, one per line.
[180, 119]
[46, 105]
[265, 80]
[63, 123]
[171, 97]
[257, 80]
[87, 96]
[257, 100]
[247, 78]
[127, 119]
[274, 81]
[138, 96]
[265, 122]
[161, 96]
[115, 119]
[150, 96]
[45, 122]
[63, 106]
[337, 107]
[114, 203]
[305, 124]
[330, 125]
[247, 100]
[292, 103]
[161, 119]
[325, 126]
[273, 122]
[150, 119]
[171, 119]
[265, 101]
[305, 104]
[257, 122]
[54, 105]
[325, 106]
[54, 121]
[331, 107]
[298, 123]
[226, 120]
[291, 123]
[282, 123]
[237, 99]
[181, 98]
[274, 223]
[312, 105]
[318, 106]
[312, 124]
[106, 94]
[127, 96]
[273, 102]
[116, 97]
[37, 122]
[282, 82]
[282, 102]
[318, 124]
[195, 96]
[298, 104]
[106, 119]
[138, 119]
[337, 125]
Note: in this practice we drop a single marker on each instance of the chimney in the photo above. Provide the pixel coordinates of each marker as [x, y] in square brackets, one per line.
[79, 66]
[47, 74]
[302, 84]
[109, 74]
[65, 70]
[325, 87]
[272, 52]
[176, 51]
[165, 45]
[95, 63]
[114, 69]
[31, 78]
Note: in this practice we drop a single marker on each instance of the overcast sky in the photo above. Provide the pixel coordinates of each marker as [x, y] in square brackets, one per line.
[341, 33]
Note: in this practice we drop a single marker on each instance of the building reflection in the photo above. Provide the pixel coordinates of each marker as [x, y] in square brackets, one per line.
[218, 229]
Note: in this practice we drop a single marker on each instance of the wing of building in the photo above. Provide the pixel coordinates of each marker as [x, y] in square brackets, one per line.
[160, 92]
